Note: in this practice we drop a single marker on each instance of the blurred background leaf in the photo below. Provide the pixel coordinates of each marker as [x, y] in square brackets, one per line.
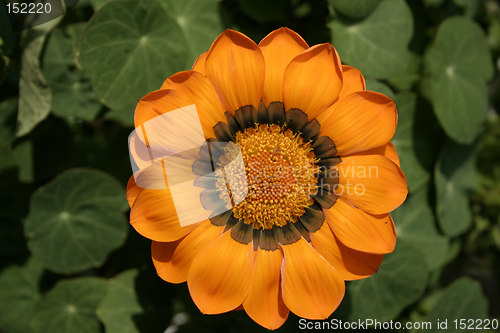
[460, 65]
[72, 95]
[70, 307]
[129, 48]
[378, 44]
[76, 221]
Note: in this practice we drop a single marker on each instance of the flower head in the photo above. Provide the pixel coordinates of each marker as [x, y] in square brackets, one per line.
[321, 178]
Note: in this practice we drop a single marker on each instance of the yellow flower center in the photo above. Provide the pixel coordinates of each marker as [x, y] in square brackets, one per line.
[281, 175]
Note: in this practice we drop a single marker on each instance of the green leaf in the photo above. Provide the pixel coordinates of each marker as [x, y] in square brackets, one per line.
[380, 87]
[378, 44]
[71, 89]
[355, 8]
[415, 139]
[463, 299]
[460, 64]
[18, 294]
[34, 94]
[129, 48]
[455, 175]
[120, 304]
[400, 281]
[199, 22]
[415, 225]
[76, 220]
[70, 307]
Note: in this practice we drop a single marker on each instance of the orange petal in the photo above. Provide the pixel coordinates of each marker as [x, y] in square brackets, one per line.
[264, 303]
[220, 276]
[279, 48]
[199, 64]
[360, 121]
[353, 81]
[132, 191]
[235, 65]
[172, 260]
[361, 231]
[313, 80]
[351, 264]
[372, 183]
[312, 288]
[191, 87]
[201, 92]
[154, 216]
[162, 101]
[388, 150]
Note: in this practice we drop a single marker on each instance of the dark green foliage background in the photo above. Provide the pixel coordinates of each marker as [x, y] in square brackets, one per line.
[69, 261]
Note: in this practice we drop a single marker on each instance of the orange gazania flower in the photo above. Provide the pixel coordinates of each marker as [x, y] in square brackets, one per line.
[288, 107]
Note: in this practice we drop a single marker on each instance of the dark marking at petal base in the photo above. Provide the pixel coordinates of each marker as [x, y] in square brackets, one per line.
[222, 132]
[313, 218]
[268, 240]
[262, 117]
[329, 162]
[325, 199]
[302, 230]
[288, 234]
[231, 123]
[205, 182]
[216, 150]
[204, 154]
[256, 238]
[242, 232]
[324, 147]
[328, 178]
[221, 219]
[276, 113]
[210, 199]
[311, 130]
[231, 222]
[202, 167]
[246, 116]
[295, 119]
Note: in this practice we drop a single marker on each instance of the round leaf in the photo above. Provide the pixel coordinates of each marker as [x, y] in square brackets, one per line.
[76, 221]
[199, 22]
[72, 95]
[401, 279]
[415, 225]
[18, 294]
[136, 301]
[455, 174]
[120, 305]
[464, 299]
[378, 44]
[460, 65]
[70, 307]
[130, 47]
